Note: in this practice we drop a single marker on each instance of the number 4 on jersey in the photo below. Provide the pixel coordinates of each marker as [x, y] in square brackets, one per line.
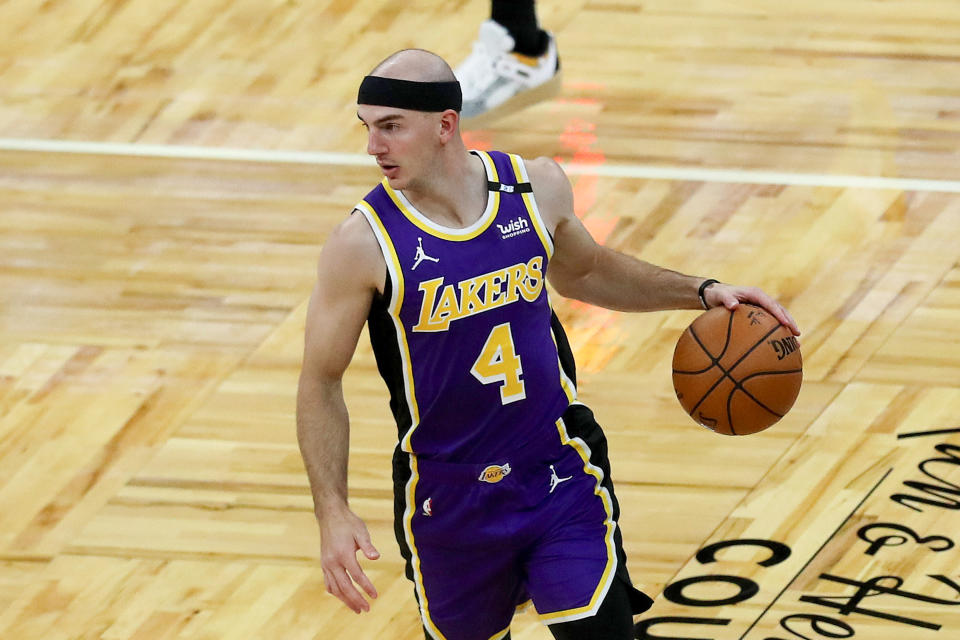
[499, 362]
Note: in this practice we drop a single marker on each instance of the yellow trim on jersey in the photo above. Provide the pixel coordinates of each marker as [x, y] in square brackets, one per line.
[489, 164]
[608, 572]
[520, 173]
[396, 302]
[499, 635]
[446, 233]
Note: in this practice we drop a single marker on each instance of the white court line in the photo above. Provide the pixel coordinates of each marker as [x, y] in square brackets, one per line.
[737, 176]
[185, 152]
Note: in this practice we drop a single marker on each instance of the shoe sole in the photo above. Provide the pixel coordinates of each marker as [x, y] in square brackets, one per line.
[524, 99]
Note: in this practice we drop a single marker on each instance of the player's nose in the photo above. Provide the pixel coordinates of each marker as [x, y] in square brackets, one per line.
[375, 144]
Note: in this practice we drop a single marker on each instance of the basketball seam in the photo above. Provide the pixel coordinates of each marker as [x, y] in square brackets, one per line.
[752, 397]
[692, 373]
[763, 373]
[726, 342]
[726, 372]
[702, 348]
[739, 385]
[733, 431]
[771, 373]
[714, 361]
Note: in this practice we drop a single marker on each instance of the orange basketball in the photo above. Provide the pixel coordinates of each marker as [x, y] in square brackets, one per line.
[737, 372]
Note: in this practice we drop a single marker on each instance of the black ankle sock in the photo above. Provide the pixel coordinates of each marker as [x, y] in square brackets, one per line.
[520, 19]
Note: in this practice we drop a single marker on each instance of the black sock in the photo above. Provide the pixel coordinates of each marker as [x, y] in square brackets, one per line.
[520, 18]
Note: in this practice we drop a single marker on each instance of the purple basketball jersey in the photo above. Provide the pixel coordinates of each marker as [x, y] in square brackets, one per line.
[502, 483]
[464, 335]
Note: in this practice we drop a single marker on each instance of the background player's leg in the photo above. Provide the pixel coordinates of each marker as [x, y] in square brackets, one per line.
[613, 621]
[513, 63]
[519, 17]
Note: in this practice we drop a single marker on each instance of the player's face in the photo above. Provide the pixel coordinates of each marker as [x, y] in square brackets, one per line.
[399, 140]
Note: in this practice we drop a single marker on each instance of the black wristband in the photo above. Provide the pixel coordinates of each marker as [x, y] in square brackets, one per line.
[703, 288]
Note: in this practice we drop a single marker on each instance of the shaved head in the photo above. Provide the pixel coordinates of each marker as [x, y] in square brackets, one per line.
[410, 104]
[415, 64]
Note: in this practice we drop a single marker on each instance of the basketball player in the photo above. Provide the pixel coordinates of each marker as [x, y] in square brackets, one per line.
[503, 486]
[513, 63]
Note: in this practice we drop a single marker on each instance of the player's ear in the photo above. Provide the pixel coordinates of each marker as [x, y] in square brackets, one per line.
[449, 121]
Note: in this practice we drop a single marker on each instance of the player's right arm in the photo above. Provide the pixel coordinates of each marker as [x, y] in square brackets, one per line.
[350, 270]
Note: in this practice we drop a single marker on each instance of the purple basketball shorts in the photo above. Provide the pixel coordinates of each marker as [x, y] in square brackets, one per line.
[483, 539]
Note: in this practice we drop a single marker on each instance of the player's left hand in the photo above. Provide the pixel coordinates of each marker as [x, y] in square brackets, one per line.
[731, 296]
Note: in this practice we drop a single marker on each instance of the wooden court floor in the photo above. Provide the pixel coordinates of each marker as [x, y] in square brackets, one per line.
[152, 308]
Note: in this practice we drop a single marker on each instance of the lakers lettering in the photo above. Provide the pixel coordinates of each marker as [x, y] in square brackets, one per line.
[443, 304]
[784, 346]
[494, 473]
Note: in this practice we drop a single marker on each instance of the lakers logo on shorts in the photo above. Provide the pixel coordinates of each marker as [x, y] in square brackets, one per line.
[494, 473]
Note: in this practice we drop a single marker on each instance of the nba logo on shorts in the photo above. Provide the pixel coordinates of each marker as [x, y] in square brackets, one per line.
[494, 473]
[428, 507]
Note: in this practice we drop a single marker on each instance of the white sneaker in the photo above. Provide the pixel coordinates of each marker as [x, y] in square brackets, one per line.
[496, 80]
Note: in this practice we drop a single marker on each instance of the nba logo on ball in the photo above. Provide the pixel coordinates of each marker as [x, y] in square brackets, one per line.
[737, 372]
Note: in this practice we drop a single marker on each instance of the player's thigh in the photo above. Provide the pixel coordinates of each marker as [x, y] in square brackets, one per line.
[468, 574]
[572, 564]
[466, 594]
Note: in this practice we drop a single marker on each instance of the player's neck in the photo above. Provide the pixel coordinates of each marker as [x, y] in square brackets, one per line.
[455, 193]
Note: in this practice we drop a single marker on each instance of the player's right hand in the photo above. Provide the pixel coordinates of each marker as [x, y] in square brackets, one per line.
[341, 536]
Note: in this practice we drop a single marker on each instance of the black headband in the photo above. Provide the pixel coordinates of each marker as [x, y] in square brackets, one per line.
[407, 94]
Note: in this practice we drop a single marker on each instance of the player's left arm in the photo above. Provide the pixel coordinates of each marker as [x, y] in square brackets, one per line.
[585, 270]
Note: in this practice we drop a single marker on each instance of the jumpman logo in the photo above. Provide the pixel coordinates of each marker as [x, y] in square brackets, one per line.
[421, 255]
[554, 480]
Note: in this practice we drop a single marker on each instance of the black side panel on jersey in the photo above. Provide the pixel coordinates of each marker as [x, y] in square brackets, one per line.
[386, 350]
[401, 475]
[563, 348]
